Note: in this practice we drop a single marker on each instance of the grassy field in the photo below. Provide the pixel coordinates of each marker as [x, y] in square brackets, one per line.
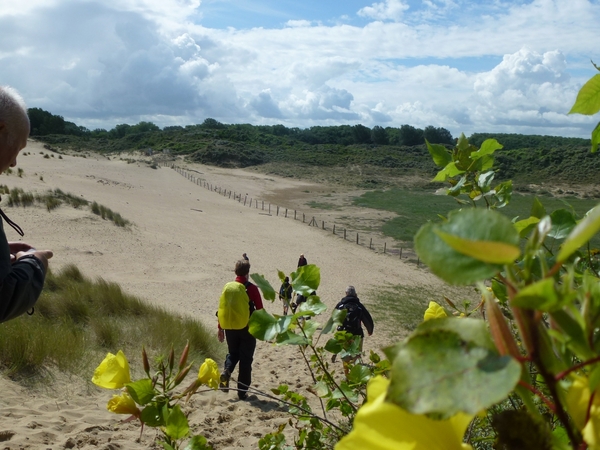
[78, 320]
[415, 207]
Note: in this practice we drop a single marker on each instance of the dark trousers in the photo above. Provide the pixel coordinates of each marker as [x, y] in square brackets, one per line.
[241, 345]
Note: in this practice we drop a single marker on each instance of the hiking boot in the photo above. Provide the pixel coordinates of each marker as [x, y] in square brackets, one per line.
[242, 395]
[224, 381]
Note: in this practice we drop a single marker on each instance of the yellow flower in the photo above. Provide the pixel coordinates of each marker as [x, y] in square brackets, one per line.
[578, 400]
[380, 425]
[113, 372]
[123, 404]
[434, 311]
[209, 374]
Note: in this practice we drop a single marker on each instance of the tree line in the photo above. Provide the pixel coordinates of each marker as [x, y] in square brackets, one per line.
[44, 123]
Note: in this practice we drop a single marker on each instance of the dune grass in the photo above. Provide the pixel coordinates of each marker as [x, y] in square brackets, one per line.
[78, 320]
[53, 199]
[399, 309]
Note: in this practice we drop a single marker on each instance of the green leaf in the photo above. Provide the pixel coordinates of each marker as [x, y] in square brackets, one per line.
[290, 338]
[537, 209]
[484, 180]
[540, 295]
[266, 288]
[176, 424]
[582, 233]
[525, 226]
[306, 279]
[588, 98]
[151, 416]
[448, 172]
[333, 346]
[198, 443]
[359, 374]
[141, 391]
[438, 372]
[321, 389]
[596, 138]
[441, 156]
[563, 223]
[454, 266]
[487, 251]
[281, 275]
[578, 341]
[263, 325]
[488, 147]
[313, 303]
[336, 319]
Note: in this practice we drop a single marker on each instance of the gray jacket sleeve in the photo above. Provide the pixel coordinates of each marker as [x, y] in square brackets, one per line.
[21, 283]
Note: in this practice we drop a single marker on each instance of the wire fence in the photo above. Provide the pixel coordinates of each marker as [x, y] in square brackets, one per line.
[267, 208]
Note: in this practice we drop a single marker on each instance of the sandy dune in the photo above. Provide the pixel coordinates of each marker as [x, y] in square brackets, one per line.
[179, 252]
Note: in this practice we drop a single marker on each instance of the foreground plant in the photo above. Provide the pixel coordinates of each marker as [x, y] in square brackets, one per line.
[529, 372]
[338, 395]
[154, 400]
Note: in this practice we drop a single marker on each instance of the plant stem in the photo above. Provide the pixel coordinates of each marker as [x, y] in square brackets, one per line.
[564, 373]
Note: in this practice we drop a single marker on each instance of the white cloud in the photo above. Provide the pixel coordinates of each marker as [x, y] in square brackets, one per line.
[484, 68]
[387, 10]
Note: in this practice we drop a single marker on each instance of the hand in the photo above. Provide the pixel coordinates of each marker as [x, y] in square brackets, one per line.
[221, 335]
[42, 255]
[18, 246]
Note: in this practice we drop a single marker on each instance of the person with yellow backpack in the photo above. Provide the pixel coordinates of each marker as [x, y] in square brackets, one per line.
[239, 299]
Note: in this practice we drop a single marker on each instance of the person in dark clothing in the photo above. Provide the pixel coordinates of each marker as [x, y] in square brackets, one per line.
[22, 268]
[285, 294]
[302, 260]
[357, 316]
[240, 343]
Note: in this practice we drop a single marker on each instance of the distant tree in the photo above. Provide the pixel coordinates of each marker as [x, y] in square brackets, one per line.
[212, 124]
[437, 135]
[43, 123]
[120, 131]
[361, 134]
[144, 127]
[410, 135]
[379, 136]
[280, 130]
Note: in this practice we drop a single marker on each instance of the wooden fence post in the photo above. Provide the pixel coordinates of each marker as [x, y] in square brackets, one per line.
[294, 214]
[278, 211]
[334, 228]
[344, 234]
[323, 225]
[370, 243]
[286, 213]
[384, 245]
[302, 217]
[357, 238]
[263, 205]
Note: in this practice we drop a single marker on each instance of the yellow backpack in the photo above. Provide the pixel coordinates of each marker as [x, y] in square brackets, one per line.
[234, 306]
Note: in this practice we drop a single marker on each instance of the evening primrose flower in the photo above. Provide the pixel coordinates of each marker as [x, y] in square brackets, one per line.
[113, 372]
[578, 401]
[434, 311]
[380, 425]
[209, 374]
[123, 404]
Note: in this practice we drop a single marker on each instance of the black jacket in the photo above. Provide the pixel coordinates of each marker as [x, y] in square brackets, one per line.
[357, 314]
[21, 283]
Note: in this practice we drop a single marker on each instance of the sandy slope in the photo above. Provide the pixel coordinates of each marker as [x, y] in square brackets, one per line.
[178, 254]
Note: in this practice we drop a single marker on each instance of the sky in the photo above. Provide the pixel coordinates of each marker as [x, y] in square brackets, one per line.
[490, 66]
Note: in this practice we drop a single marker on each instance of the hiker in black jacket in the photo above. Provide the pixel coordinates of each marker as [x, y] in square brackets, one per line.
[356, 316]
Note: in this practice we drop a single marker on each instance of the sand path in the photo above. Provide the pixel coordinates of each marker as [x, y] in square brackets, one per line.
[178, 254]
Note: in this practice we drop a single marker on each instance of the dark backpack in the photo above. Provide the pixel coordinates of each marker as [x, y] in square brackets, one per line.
[352, 321]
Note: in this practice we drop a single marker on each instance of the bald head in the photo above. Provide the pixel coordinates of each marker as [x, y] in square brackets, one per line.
[14, 126]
